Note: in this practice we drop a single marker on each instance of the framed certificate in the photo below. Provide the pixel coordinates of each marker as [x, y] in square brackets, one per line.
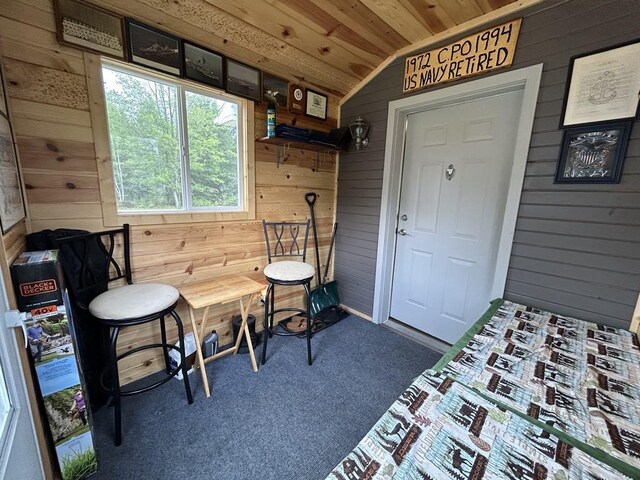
[316, 104]
[603, 86]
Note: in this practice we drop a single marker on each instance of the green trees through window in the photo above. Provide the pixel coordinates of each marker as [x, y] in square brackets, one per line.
[173, 148]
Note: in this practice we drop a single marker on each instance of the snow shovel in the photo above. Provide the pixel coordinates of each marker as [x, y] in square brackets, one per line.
[325, 295]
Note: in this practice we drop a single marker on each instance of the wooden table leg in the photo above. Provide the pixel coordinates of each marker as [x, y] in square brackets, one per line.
[244, 330]
[203, 371]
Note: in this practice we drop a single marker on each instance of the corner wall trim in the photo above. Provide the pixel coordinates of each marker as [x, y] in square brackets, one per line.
[525, 79]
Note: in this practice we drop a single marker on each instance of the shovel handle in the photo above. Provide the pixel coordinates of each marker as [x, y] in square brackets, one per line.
[310, 198]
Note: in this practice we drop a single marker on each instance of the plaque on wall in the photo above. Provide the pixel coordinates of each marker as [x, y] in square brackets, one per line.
[296, 99]
[476, 54]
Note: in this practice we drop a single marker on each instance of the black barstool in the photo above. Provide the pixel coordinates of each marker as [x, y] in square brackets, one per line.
[90, 267]
[286, 241]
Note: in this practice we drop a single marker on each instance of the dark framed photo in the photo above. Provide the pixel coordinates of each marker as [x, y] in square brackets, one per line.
[275, 90]
[316, 104]
[602, 86]
[203, 65]
[244, 80]
[11, 202]
[593, 154]
[84, 26]
[154, 48]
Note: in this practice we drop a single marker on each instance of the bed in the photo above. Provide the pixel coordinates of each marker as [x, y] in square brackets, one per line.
[524, 394]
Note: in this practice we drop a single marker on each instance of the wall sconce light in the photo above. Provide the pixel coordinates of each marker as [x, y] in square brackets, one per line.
[359, 130]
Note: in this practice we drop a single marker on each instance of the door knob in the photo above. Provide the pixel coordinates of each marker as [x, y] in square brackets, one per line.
[450, 171]
[402, 232]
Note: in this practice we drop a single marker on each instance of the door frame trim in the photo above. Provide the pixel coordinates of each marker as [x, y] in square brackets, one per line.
[526, 79]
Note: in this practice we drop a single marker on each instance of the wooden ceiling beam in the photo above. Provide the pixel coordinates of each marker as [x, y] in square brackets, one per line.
[399, 18]
[269, 19]
[431, 15]
[355, 15]
[316, 17]
[460, 11]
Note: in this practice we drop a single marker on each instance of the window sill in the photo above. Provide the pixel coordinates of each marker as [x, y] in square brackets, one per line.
[178, 217]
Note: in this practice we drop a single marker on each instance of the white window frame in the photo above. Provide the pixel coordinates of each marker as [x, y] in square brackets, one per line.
[246, 146]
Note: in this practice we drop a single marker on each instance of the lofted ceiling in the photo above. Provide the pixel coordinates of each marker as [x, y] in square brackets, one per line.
[330, 44]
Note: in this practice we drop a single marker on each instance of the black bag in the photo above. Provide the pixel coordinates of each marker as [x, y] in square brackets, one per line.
[96, 273]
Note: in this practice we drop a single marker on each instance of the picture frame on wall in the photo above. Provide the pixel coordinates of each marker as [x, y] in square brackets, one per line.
[275, 90]
[12, 208]
[203, 65]
[296, 99]
[603, 86]
[149, 47]
[316, 104]
[84, 26]
[244, 80]
[593, 153]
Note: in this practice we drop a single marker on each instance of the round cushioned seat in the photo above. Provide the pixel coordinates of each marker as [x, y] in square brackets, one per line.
[133, 301]
[289, 271]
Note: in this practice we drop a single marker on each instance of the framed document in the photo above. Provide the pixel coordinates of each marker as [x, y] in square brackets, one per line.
[11, 201]
[316, 105]
[603, 86]
[593, 153]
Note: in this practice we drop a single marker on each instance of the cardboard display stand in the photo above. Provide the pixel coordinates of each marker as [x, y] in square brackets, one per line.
[40, 292]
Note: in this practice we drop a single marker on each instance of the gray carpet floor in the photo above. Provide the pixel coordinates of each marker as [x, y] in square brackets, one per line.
[288, 421]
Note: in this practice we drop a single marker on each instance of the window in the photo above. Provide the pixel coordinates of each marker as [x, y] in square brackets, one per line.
[175, 147]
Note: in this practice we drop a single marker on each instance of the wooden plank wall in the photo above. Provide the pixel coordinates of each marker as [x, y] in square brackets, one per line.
[577, 247]
[48, 95]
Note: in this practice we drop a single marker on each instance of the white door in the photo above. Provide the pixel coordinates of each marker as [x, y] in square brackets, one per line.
[19, 455]
[457, 166]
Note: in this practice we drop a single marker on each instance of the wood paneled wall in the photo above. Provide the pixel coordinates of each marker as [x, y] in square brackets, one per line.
[48, 95]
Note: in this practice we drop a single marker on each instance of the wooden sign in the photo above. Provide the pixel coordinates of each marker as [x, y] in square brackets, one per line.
[473, 55]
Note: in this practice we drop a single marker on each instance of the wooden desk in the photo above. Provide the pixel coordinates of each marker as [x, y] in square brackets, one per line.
[215, 292]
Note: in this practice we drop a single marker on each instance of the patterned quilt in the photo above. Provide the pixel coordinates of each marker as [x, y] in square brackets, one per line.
[439, 429]
[523, 398]
[579, 377]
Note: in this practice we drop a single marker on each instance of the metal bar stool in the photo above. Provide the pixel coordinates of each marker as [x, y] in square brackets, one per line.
[90, 267]
[287, 237]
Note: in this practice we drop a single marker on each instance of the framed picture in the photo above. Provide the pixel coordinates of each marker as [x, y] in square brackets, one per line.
[243, 80]
[316, 104]
[593, 154]
[203, 65]
[296, 99]
[154, 48]
[275, 90]
[11, 202]
[603, 86]
[84, 26]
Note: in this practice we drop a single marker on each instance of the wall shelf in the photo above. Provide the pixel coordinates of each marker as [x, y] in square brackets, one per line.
[315, 147]
[284, 144]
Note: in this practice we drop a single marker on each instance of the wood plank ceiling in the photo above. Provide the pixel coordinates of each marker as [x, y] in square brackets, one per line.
[329, 44]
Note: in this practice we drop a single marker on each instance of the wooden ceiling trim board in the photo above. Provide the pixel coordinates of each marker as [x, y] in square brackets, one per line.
[360, 19]
[460, 10]
[279, 59]
[317, 18]
[434, 18]
[399, 18]
[267, 18]
[28, 13]
[451, 32]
